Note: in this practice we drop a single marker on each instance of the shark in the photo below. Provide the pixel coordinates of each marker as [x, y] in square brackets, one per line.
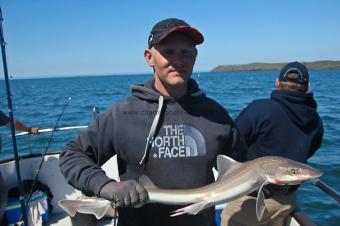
[235, 179]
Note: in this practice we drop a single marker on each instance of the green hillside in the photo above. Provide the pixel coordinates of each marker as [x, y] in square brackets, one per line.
[275, 66]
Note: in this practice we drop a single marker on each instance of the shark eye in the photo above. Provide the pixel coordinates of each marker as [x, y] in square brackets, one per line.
[294, 171]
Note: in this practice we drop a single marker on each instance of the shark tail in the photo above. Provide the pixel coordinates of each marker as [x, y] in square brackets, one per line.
[98, 209]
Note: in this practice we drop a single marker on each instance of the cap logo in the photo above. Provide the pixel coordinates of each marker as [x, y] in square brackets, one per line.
[150, 38]
[294, 70]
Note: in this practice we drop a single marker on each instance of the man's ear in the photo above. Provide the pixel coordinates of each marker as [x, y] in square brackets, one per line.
[277, 84]
[196, 52]
[148, 57]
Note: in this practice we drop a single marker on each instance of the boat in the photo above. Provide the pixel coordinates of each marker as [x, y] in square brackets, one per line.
[51, 176]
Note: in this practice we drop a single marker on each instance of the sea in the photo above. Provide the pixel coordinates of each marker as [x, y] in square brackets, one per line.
[40, 102]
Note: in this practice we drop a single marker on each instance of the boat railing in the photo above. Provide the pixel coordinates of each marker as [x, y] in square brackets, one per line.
[47, 130]
[37, 138]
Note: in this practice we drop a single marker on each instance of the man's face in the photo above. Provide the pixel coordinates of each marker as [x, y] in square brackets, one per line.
[173, 60]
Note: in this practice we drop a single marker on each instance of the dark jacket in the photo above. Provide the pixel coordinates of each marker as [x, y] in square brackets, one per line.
[190, 133]
[286, 125]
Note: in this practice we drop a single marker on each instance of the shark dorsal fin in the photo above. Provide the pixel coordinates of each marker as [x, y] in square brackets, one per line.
[226, 165]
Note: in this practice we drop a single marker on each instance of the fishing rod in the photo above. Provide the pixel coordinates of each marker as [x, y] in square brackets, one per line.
[11, 121]
[46, 149]
[327, 189]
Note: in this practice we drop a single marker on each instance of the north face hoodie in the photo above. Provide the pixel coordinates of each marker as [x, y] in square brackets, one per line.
[173, 141]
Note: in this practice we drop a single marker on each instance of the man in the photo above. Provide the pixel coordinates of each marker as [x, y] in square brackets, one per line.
[285, 125]
[167, 129]
[4, 121]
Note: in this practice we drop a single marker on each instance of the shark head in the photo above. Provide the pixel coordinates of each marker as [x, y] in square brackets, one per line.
[289, 172]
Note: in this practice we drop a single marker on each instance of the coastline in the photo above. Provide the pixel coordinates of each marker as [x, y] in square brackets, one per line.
[327, 64]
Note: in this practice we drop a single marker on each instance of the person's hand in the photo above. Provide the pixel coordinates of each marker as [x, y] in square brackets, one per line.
[34, 130]
[124, 193]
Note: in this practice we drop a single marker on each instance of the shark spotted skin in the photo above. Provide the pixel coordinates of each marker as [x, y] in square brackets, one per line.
[234, 180]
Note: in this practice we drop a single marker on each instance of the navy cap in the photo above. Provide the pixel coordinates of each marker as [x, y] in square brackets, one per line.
[164, 28]
[294, 72]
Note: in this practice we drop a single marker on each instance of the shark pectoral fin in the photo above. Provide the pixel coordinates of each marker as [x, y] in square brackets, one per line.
[147, 183]
[225, 165]
[260, 205]
[192, 209]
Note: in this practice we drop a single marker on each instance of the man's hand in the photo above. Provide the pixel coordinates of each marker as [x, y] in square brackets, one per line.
[34, 130]
[124, 193]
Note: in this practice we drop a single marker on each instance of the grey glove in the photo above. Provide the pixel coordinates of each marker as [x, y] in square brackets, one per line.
[124, 193]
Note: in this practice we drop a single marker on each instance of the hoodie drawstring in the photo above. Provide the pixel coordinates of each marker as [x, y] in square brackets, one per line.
[151, 137]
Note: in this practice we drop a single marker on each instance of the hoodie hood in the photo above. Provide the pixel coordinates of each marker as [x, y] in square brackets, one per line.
[147, 92]
[301, 107]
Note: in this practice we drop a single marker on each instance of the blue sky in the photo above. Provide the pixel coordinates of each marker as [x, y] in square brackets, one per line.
[80, 37]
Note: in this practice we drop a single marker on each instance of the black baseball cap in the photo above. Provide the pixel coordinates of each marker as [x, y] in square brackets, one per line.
[294, 72]
[164, 28]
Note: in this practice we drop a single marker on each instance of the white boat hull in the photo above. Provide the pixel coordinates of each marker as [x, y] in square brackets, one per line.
[51, 176]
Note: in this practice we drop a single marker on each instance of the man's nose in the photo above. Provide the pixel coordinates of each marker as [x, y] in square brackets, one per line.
[177, 60]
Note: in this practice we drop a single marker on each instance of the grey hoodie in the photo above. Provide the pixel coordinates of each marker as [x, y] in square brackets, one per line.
[173, 141]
